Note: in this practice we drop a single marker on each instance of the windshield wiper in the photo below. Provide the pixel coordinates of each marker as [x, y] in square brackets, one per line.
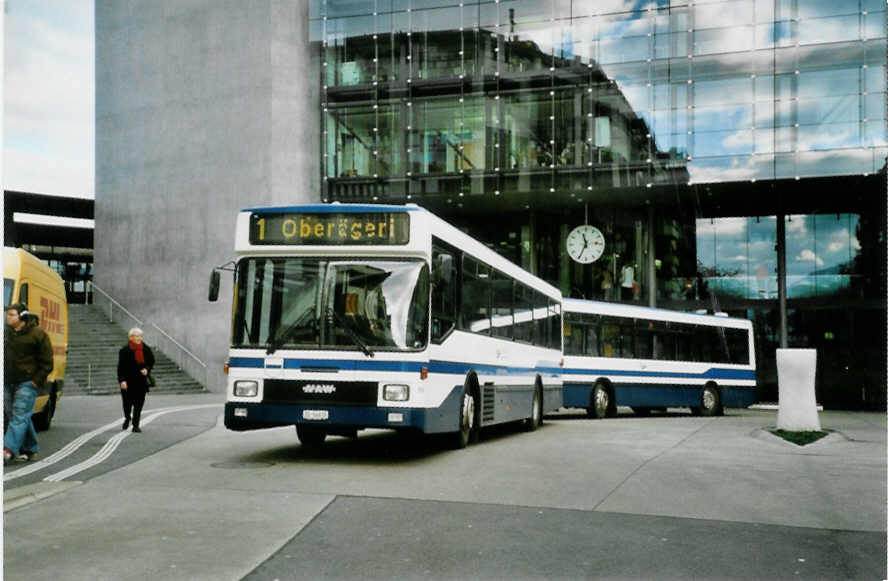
[274, 345]
[351, 332]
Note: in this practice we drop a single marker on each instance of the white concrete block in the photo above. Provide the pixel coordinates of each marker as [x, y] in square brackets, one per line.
[796, 370]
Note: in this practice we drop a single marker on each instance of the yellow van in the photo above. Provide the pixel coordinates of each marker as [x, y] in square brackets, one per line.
[26, 279]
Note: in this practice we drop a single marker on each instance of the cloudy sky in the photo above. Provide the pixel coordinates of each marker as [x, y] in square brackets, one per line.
[49, 96]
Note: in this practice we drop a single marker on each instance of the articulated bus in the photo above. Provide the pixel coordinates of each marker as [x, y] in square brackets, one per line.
[651, 359]
[348, 317]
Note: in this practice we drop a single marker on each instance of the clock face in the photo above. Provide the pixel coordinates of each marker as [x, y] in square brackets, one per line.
[585, 244]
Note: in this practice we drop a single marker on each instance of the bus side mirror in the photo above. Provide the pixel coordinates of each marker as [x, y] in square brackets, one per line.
[213, 295]
[443, 269]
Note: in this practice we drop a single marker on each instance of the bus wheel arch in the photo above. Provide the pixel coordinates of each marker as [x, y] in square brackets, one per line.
[602, 403]
[711, 400]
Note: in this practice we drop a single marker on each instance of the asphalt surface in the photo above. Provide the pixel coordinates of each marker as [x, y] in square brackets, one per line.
[666, 497]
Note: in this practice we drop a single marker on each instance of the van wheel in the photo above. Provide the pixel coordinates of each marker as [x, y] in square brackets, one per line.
[310, 436]
[710, 402]
[43, 420]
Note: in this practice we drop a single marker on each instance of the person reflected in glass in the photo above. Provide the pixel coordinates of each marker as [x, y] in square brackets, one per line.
[134, 362]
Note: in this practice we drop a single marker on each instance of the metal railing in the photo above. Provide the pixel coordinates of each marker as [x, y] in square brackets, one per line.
[184, 359]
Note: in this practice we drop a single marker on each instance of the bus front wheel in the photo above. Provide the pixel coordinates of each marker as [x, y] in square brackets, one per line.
[710, 402]
[462, 437]
[310, 436]
[536, 411]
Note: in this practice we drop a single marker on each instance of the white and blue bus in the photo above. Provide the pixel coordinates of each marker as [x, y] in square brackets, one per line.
[348, 317]
[651, 359]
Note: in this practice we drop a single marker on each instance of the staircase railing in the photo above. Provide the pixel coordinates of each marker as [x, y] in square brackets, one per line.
[184, 359]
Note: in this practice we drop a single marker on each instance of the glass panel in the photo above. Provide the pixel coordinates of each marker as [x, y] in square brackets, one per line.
[712, 15]
[437, 43]
[874, 25]
[721, 40]
[801, 258]
[833, 29]
[350, 51]
[834, 240]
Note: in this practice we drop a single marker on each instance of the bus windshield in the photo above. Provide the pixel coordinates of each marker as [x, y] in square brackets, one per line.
[308, 303]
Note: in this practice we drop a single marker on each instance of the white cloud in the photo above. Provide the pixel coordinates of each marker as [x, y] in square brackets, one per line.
[807, 255]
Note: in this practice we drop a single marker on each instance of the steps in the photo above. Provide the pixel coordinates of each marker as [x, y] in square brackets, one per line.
[93, 343]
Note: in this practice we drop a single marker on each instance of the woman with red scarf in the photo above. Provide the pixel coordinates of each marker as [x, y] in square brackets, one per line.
[134, 363]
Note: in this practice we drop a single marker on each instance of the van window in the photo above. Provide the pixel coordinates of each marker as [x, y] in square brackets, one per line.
[23, 294]
[8, 285]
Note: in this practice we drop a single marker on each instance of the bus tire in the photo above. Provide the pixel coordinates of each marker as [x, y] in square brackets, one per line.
[600, 402]
[536, 411]
[642, 412]
[467, 431]
[710, 401]
[43, 420]
[310, 436]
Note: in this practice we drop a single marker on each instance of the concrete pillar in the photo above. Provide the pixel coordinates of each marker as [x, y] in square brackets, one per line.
[796, 369]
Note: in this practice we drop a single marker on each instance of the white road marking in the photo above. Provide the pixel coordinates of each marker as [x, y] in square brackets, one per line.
[99, 456]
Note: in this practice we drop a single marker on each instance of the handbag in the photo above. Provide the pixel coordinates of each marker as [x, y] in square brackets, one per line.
[149, 380]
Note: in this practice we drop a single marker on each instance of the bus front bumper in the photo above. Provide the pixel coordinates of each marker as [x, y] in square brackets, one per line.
[240, 416]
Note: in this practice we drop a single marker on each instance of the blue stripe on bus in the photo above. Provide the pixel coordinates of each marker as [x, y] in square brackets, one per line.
[332, 209]
[711, 373]
[446, 367]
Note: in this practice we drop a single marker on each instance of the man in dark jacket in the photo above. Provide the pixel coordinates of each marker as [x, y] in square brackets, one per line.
[27, 363]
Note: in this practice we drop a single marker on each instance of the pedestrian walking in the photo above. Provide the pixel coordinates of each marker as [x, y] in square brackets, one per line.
[134, 363]
[27, 353]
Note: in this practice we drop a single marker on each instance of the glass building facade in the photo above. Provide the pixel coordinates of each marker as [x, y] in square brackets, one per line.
[709, 141]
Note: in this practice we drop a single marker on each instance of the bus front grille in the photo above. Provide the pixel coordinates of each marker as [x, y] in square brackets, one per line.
[321, 392]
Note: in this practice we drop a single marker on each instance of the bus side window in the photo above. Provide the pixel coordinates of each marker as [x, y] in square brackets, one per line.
[738, 345]
[592, 340]
[475, 315]
[644, 334]
[610, 339]
[573, 338]
[23, 294]
[444, 293]
[554, 319]
[501, 296]
[627, 339]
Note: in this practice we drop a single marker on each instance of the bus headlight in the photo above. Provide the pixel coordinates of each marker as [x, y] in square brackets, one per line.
[396, 392]
[246, 388]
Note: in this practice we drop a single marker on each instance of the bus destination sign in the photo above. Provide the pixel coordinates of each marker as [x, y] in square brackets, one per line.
[322, 229]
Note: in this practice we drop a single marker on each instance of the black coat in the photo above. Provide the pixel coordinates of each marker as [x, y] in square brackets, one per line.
[130, 371]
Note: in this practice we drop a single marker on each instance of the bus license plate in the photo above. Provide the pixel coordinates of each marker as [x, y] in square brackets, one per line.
[315, 414]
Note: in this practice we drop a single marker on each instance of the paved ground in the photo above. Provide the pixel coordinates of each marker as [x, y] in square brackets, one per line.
[662, 497]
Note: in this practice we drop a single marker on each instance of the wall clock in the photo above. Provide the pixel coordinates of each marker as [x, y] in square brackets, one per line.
[585, 244]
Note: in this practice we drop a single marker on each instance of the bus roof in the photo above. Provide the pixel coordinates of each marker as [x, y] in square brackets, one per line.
[638, 311]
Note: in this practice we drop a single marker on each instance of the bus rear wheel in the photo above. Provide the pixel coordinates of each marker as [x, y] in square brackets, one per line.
[710, 402]
[601, 403]
[310, 436]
